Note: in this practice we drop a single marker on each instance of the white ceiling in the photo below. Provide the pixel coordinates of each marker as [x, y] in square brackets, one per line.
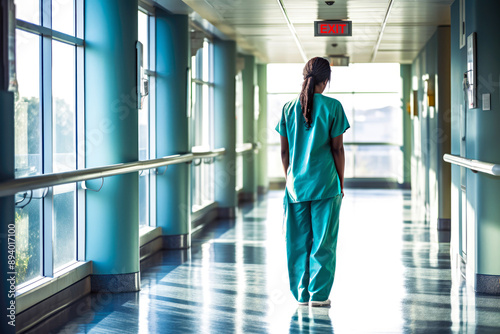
[259, 26]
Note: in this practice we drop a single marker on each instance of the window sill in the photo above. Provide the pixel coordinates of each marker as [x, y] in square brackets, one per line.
[46, 287]
[148, 234]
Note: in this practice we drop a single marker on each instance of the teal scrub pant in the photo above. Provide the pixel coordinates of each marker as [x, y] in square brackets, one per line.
[311, 230]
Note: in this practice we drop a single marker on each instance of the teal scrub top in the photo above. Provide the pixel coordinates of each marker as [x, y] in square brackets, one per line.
[312, 174]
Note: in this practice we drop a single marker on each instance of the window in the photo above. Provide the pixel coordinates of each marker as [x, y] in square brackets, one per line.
[48, 126]
[147, 179]
[370, 95]
[202, 124]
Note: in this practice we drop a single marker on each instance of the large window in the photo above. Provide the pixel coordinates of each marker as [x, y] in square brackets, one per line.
[202, 123]
[48, 126]
[370, 95]
[147, 181]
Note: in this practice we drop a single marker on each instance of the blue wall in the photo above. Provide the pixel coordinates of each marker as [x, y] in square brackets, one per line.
[111, 129]
[482, 214]
[431, 129]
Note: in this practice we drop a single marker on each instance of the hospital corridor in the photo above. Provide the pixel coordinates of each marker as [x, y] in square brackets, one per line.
[265, 166]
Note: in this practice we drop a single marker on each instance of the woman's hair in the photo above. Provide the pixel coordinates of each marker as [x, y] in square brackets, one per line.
[317, 70]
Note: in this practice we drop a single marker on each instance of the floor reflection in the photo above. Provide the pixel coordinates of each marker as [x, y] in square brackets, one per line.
[393, 276]
[309, 320]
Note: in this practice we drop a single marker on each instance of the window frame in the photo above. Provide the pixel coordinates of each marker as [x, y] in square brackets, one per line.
[354, 146]
[150, 73]
[47, 36]
[197, 85]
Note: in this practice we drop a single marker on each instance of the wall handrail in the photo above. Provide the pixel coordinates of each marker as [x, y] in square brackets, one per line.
[475, 165]
[245, 148]
[12, 187]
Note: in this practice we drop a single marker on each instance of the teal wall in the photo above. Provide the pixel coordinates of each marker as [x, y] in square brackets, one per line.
[249, 128]
[111, 129]
[481, 216]
[262, 127]
[172, 123]
[405, 74]
[431, 129]
[225, 124]
[6, 203]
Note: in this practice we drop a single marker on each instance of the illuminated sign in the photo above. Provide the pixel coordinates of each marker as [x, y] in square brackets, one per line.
[332, 28]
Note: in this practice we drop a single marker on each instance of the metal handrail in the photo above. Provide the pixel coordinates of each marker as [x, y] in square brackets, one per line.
[209, 154]
[245, 148]
[14, 186]
[356, 144]
[475, 165]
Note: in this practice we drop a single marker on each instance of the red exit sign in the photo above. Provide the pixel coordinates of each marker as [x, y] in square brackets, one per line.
[332, 28]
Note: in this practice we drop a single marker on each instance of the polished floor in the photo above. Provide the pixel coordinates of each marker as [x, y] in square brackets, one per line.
[393, 276]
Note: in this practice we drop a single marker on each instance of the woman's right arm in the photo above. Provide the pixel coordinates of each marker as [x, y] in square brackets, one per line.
[285, 154]
[337, 147]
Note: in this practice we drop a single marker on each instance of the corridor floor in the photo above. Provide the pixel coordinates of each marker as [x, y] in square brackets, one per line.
[393, 276]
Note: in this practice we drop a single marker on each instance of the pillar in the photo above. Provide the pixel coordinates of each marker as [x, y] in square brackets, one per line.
[6, 210]
[249, 192]
[111, 119]
[262, 129]
[172, 128]
[225, 126]
[443, 133]
[405, 73]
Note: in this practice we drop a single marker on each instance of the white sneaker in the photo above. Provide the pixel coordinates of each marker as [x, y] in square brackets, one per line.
[303, 303]
[321, 304]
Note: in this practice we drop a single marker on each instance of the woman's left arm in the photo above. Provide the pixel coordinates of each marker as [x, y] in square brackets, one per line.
[285, 154]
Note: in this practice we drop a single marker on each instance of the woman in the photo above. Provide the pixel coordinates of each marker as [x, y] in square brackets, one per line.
[312, 153]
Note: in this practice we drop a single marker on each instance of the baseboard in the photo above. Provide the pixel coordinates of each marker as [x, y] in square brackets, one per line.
[247, 197]
[151, 247]
[37, 314]
[226, 213]
[444, 224]
[180, 241]
[488, 284]
[116, 283]
[261, 190]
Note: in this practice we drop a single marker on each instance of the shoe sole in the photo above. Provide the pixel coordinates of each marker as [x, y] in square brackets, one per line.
[320, 304]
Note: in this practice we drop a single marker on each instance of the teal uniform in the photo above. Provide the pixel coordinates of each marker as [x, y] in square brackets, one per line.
[312, 196]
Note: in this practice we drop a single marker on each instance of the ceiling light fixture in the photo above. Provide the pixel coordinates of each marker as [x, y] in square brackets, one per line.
[292, 30]
[384, 23]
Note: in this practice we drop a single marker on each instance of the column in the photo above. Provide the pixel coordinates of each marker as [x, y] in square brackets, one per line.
[6, 209]
[249, 192]
[172, 128]
[225, 126]
[262, 129]
[443, 134]
[405, 73]
[112, 239]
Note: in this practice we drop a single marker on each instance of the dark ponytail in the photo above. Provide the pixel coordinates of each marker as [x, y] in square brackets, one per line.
[316, 71]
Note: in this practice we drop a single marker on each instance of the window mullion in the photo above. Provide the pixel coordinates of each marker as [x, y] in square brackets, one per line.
[47, 13]
[80, 151]
[79, 10]
[47, 138]
[152, 117]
